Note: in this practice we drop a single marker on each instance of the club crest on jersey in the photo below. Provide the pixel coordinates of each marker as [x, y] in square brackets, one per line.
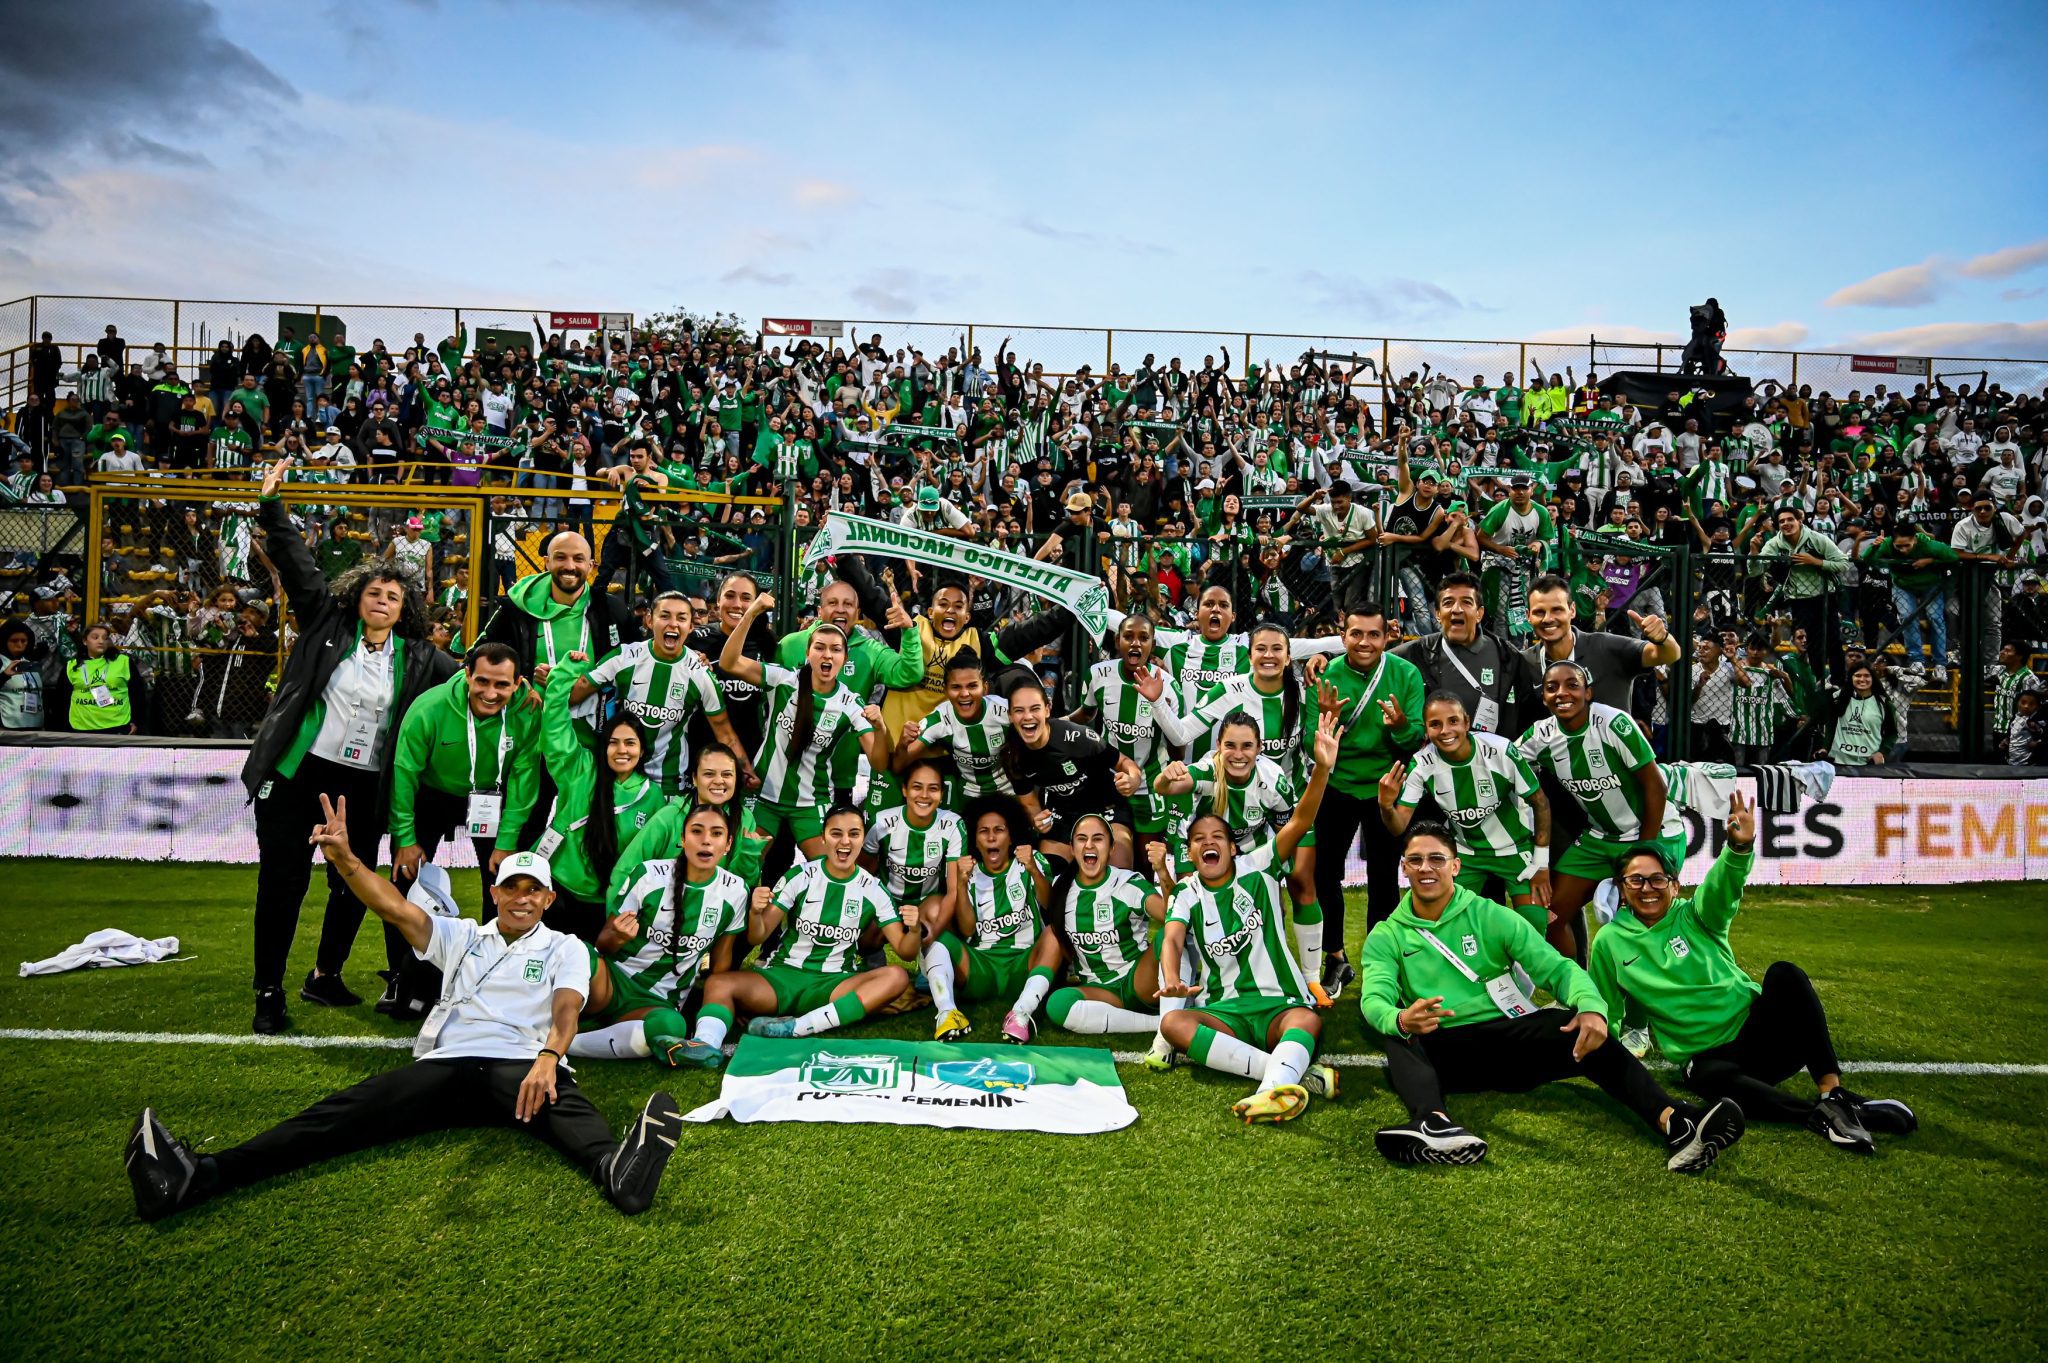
[1486, 676]
[534, 967]
[1470, 945]
[1067, 769]
[1681, 948]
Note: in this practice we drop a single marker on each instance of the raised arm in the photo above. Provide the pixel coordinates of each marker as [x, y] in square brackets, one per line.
[733, 657]
[379, 895]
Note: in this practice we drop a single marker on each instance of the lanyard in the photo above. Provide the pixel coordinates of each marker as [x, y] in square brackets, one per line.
[1371, 685]
[1451, 653]
[504, 747]
[1449, 955]
[547, 635]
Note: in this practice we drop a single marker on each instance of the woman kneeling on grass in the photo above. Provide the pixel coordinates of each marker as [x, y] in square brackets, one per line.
[998, 942]
[813, 983]
[1670, 960]
[1253, 994]
[671, 920]
[1106, 915]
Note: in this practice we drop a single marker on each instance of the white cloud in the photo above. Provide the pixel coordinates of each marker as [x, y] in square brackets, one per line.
[1909, 286]
[1382, 302]
[823, 193]
[2010, 261]
[1777, 336]
[1986, 340]
[675, 167]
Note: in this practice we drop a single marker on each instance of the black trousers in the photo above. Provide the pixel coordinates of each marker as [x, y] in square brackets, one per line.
[1338, 823]
[1513, 1055]
[427, 1095]
[284, 818]
[1786, 1031]
[574, 915]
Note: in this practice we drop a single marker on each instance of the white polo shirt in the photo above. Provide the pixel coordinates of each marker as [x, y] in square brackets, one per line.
[502, 995]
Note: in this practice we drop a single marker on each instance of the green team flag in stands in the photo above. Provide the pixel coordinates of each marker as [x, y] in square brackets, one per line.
[1066, 1090]
[1086, 597]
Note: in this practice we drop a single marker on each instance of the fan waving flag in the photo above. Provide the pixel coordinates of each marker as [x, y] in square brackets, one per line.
[1066, 1090]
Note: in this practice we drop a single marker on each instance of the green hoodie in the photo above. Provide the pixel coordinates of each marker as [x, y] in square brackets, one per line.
[1681, 974]
[434, 744]
[1401, 966]
[868, 659]
[573, 767]
[662, 840]
[559, 629]
[1903, 573]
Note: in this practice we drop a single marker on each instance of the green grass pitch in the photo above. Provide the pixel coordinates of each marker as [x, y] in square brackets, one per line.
[1185, 1235]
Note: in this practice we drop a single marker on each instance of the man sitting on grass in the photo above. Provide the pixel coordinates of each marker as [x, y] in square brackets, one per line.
[1731, 1037]
[1440, 989]
[489, 1054]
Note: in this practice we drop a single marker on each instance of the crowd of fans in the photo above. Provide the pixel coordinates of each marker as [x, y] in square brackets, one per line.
[1833, 540]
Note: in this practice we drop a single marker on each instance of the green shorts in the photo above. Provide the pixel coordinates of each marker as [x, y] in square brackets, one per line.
[993, 974]
[1149, 811]
[1250, 1019]
[1596, 858]
[1124, 986]
[1474, 872]
[799, 991]
[803, 821]
[629, 995]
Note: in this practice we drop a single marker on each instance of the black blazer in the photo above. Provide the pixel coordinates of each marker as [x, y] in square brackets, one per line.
[327, 629]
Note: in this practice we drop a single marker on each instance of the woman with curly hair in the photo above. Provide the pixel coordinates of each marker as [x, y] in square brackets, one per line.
[360, 661]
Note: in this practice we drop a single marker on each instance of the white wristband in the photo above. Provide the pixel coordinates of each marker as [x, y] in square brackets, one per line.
[1542, 858]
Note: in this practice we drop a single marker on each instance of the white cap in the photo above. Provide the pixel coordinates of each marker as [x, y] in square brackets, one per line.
[432, 891]
[525, 864]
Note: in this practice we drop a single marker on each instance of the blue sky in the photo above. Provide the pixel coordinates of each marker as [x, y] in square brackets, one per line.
[1844, 176]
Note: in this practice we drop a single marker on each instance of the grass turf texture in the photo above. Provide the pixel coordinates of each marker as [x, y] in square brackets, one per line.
[1183, 1234]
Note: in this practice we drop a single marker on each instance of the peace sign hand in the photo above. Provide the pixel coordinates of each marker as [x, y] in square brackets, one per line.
[1390, 784]
[1390, 711]
[330, 835]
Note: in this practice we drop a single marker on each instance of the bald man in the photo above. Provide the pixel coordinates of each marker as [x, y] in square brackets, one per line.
[550, 614]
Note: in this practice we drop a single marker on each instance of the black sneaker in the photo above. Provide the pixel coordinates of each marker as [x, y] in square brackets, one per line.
[328, 990]
[160, 1168]
[1887, 1116]
[1432, 1140]
[390, 999]
[270, 1015]
[1337, 973]
[1834, 1117]
[632, 1172]
[1696, 1139]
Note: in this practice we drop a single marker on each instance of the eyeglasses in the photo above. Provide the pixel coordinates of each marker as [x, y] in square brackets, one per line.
[1432, 860]
[1649, 882]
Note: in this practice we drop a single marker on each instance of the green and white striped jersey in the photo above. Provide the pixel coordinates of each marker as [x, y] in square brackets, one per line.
[914, 859]
[677, 930]
[1288, 748]
[975, 745]
[826, 917]
[1597, 764]
[808, 779]
[1128, 722]
[1256, 809]
[1198, 664]
[1240, 932]
[1108, 926]
[663, 695]
[1757, 707]
[1005, 905]
[1486, 797]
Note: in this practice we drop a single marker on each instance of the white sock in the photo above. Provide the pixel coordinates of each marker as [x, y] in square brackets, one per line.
[1308, 941]
[1232, 1056]
[1286, 1065]
[938, 976]
[620, 1041]
[710, 1030]
[823, 1018]
[1033, 996]
[1095, 1017]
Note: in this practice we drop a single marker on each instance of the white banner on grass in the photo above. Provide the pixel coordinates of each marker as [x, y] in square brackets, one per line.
[187, 804]
[1065, 1090]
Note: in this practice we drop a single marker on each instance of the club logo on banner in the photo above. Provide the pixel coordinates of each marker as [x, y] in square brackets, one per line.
[1066, 1090]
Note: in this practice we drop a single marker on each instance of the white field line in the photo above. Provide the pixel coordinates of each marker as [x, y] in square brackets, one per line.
[398, 1043]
